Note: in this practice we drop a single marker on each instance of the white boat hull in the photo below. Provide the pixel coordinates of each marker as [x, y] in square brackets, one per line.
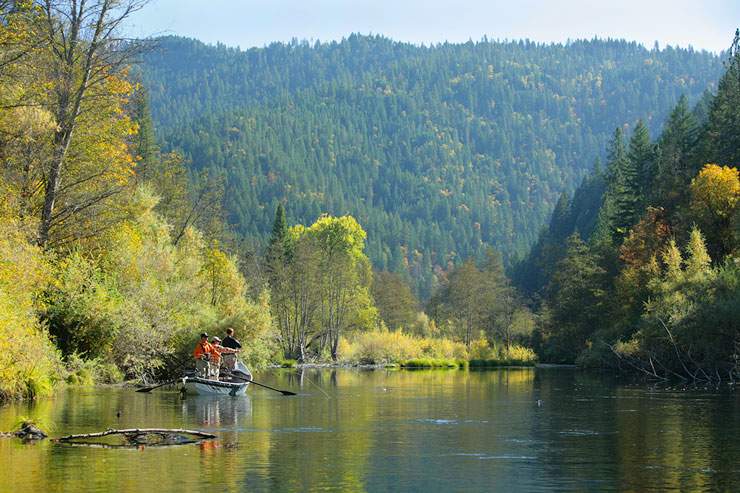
[201, 386]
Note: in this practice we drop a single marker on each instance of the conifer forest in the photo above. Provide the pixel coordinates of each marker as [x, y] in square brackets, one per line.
[363, 201]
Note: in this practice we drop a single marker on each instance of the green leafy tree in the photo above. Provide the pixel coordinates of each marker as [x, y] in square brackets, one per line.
[465, 295]
[575, 297]
[321, 286]
[502, 301]
[394, 301]
[344, 276]
[294, 300]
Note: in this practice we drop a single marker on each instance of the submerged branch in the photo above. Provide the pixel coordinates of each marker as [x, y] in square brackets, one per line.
[135, 432]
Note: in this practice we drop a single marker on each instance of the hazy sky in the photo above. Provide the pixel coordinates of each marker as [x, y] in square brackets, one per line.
[703, 24]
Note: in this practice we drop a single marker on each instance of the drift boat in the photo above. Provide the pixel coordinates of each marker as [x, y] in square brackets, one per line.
[236, 384]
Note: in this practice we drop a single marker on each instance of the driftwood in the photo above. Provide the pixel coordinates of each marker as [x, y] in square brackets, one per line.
[148, 436]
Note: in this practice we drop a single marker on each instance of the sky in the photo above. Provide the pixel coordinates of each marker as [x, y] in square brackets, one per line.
[703, 24]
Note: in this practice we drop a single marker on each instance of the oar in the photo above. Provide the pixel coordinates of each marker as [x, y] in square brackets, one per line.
[284, 392]
[149, 389]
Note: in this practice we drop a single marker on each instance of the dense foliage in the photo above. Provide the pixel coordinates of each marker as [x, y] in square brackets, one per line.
[115, 255]
[654, 287]
[439, 152]
[108, 270]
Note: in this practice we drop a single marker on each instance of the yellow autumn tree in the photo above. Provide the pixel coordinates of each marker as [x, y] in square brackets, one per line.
[29, 363]
[715, 195]
[63, 89]
[139, 300]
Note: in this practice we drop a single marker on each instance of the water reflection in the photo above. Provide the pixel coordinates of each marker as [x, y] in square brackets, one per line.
[309, 378]
[218, 411]
[379, 430]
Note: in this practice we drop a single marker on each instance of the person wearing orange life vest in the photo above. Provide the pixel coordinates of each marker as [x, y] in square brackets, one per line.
[204, 353]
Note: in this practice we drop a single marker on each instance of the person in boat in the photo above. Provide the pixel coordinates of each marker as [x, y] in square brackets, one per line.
[231, 343]
[204, 354]
[220, 350]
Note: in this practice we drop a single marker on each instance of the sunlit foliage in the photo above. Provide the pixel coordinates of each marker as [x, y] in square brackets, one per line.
[142, 301]
[320, 282]
[715, 194]
[29, 363]
[382, 346]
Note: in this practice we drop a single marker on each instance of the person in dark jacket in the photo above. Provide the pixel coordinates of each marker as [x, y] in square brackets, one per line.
[231, 343]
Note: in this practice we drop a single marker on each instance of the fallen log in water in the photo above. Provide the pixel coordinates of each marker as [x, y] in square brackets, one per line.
[145, 435]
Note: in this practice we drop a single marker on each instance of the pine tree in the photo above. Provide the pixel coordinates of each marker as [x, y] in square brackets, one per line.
[618, 208]
[144, 144]
[641, 155]
[721, 142]
[561, 223]
[675, 158]
[276, 251]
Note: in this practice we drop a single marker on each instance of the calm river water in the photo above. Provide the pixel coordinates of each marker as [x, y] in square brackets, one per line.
[543, 429]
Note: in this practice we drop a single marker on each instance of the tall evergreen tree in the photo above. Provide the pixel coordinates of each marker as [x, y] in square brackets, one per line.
[721, 140]
[279, 229]
[641, 155]
[575, 296]
[276, 254]
[620, 202]
[145, 148]
[675, 158]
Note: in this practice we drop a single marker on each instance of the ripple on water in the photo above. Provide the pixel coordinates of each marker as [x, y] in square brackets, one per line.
[579, 433]
[507, 457]
[452, 421]
[302, 429]
[494, 457]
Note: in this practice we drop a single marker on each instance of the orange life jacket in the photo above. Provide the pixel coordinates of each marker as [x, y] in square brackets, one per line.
[205, 347]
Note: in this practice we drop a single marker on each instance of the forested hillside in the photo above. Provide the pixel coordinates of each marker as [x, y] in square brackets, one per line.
[639, 268]
[439, 152]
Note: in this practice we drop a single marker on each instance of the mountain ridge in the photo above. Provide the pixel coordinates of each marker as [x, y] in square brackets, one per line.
[439, 151]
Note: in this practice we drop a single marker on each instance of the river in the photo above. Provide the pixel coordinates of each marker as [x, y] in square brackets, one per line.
[530, 429]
